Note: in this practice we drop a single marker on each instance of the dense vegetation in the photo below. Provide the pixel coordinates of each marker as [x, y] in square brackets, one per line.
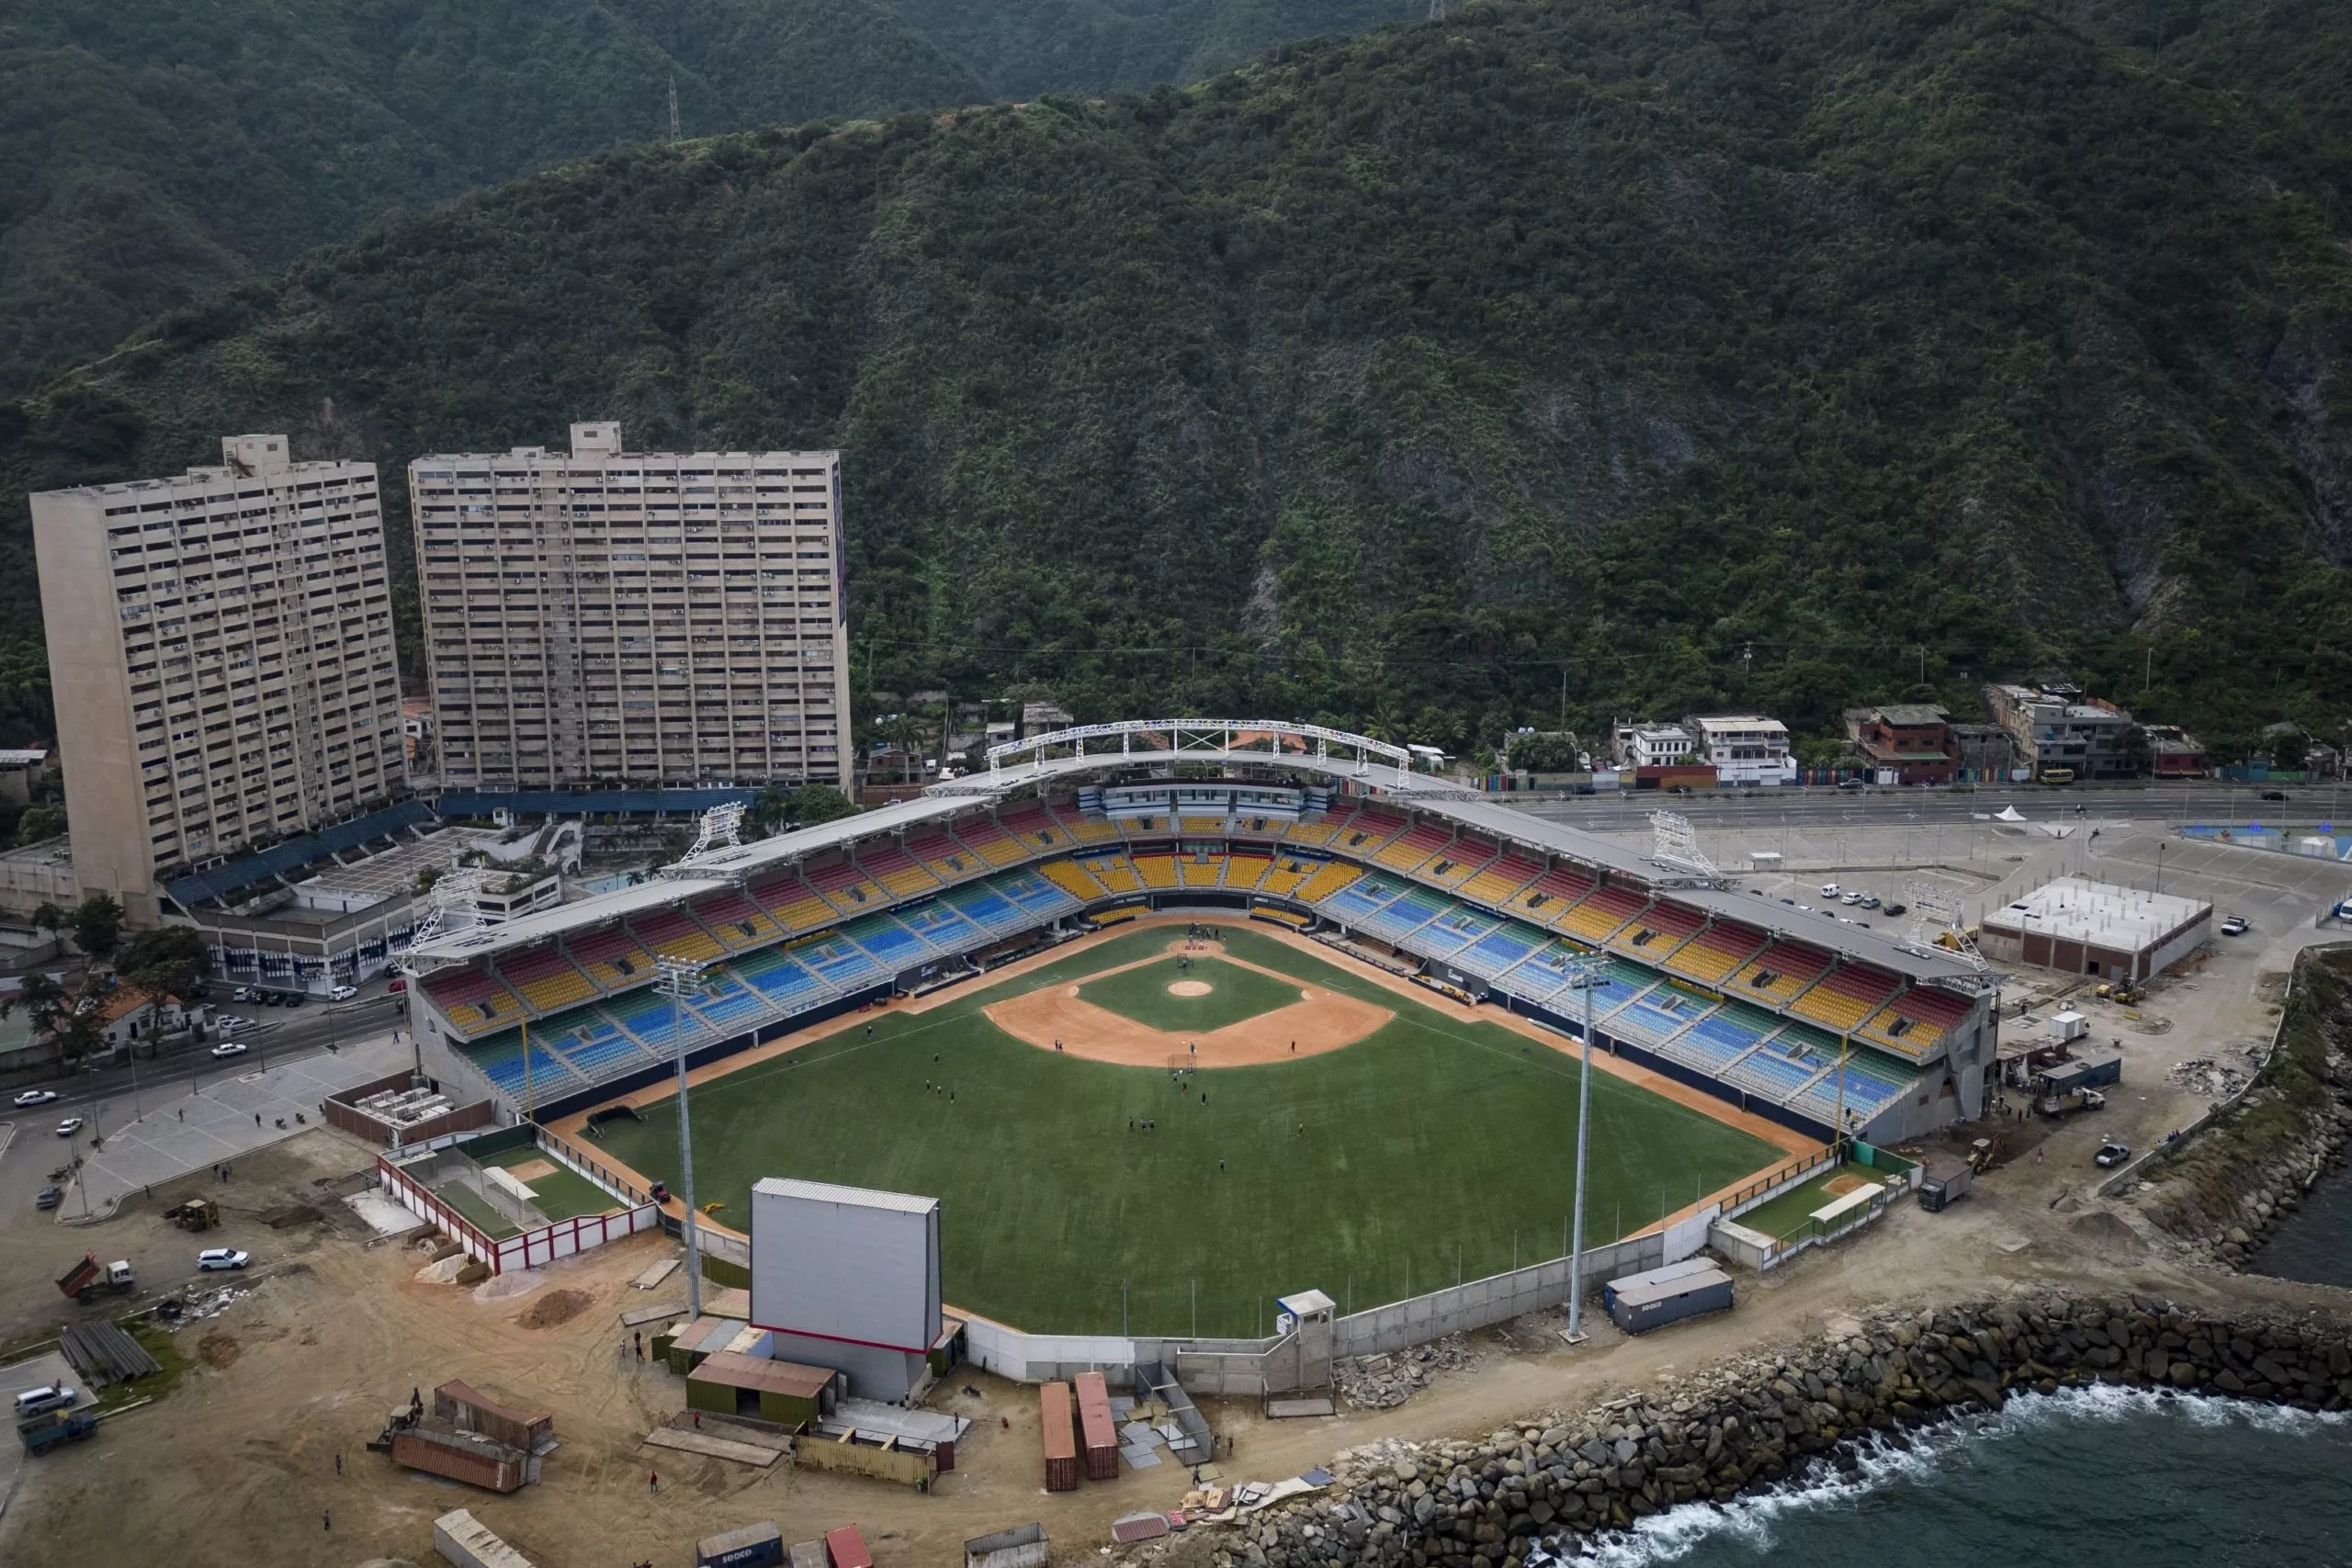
[151, 149]
[1596, 355]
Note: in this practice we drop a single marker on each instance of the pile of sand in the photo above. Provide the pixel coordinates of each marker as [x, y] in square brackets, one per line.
[556, 1306]
[444, 1273]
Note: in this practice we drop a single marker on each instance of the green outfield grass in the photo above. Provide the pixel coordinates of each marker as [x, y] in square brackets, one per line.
[1235, 993]
[1431, 1150]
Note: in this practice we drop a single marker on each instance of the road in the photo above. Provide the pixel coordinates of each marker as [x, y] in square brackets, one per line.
[2201, 802]
[282, 1033]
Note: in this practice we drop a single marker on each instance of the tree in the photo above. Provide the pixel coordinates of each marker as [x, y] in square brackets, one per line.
[50, 917]
[161, 965]
[2131, 747]
[98, 924]
[1551, 753]
[69, 1020]
[40, 824]
[2290, 750]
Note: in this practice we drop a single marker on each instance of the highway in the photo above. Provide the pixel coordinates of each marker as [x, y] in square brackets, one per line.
[2201, 801]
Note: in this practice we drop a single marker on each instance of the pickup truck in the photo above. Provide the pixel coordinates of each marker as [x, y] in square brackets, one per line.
[43, 1433]
[2057, 1105]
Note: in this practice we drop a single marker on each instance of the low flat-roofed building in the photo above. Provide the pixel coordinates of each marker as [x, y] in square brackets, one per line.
[2095, 928]
[1744, 748]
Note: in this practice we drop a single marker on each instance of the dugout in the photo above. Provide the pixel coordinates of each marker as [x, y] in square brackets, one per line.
[783, 1393]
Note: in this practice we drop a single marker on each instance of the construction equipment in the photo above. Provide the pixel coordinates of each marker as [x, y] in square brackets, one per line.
[2121, 993]
[116, 1276]
[43, 1433]
[1983, 1153]
[196, 1214]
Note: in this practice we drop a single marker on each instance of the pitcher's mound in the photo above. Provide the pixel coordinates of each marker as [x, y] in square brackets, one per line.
[1190, 988]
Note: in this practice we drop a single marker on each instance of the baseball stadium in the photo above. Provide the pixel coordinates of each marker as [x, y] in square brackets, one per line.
[1173, 1016]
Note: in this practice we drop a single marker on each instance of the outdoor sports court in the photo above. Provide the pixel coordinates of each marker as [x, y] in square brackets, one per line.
[1223, 1120]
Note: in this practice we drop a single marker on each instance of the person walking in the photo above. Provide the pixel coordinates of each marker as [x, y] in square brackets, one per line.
[338, 1465]
[653, 1481]
[326, 1522]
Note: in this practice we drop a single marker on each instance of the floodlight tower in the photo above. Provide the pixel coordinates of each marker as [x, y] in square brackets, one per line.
[681, 978]
[1587, 974]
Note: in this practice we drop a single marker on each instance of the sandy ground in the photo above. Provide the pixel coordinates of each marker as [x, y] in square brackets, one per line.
[1055, 1017]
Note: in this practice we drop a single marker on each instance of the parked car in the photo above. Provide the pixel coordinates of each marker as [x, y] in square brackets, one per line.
[229, 1048]
[222, 1258]
[1894, 909]
[1853, 897]
[1850, 783]
[1829, 890]
[293, 998]
[398, 983]
[344, 993]
[1870, 900]
[70, 1126]
[37, 1097]
[1790, 902]
[42, 1400]
[49, 1196]
[2234, 926]
[2274, 794]
[243, 994]
[2112, 1153]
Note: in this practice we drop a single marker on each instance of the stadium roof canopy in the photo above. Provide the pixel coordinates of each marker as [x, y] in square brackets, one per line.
[1227, 742]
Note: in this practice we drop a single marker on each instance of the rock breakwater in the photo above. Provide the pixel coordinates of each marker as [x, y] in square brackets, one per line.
[1533, 1487]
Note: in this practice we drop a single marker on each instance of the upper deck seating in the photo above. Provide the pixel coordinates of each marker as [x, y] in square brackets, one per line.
[1846, 996]
[1712, 955]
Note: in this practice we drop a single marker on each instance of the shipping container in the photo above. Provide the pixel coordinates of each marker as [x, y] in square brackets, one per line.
[846, 1548]
[753, 1546]
[1637, 1309]
[1061, 1444]
[808, 1554]
[1097, 1431]
[1682, 1271]
[1943, 1180]
[1023, 1546]
[470, 1410]
[460, 1456]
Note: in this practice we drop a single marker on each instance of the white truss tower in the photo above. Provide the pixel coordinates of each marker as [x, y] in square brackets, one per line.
[1674, 844]
[722, 828]
[1935, 912]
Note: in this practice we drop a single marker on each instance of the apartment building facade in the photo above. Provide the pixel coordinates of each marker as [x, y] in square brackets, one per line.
[220, 653]
[1744, 748]
[2060, 735]
[599, 616]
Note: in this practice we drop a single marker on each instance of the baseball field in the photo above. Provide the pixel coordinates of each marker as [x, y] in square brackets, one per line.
[1209, 1124]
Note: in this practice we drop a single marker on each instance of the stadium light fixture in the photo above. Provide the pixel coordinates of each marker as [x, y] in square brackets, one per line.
[680, 978]
[1587, 974]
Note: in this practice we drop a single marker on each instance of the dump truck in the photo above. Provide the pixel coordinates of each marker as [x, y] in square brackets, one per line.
[116, 1276]
[43, 1433]
[1943, 1180]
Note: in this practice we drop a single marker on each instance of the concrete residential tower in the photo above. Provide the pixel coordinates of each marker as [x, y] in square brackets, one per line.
[220, 650]
[644, 619]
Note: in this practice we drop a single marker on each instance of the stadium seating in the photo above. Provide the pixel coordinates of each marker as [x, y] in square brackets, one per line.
[1260, 827]
[1412, 849]
[989, 909]
[472, 1001]
[1551, 895]
[1157, 871]
[838, 962]
[1198, 871]
[1776, 975]
[735, 921]
[776, 977]
[1456, 927]
[612, 958]
[939, 924]
[1658, 931]
[725, 1003]
[1031, 829]
[1402, 917]
[1459, 864]
[894, 946]
[1496, 882]
[792, 904]
[1726, 1035]
[1871, 1086]
[897, 870]
[1598, 915]
[647, 1017]
[590, 1044]
[1367, 831]
[1246, 871]
[1915, 1023]
[1659, 1015]
[1769, 1072]
[1714, 952]
[673, 933]
[1313, 835]
[847, 888]
[1282, 878]
[944, 858]
[1191, 826]
[1328, 878]
[1072, 878]
[1041, 899]
[1508, 945]
[1084, 830]
[1354, 897]
[500, 1059]
[547, 979]
[1846, 996]
[1115, 871]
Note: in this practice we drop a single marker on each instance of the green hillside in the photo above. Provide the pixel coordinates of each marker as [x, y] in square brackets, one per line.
[1620, 354]
[151, 149]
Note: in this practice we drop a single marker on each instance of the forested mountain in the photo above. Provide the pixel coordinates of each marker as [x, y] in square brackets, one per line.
[1622, 354]
[152, 148]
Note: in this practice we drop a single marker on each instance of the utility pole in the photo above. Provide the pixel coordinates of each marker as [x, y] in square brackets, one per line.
[681, 977]
[1589, 973]
[674, 106]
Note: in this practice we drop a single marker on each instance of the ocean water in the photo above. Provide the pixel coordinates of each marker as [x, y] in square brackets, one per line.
[2091, 1476]
[2314, 1243]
